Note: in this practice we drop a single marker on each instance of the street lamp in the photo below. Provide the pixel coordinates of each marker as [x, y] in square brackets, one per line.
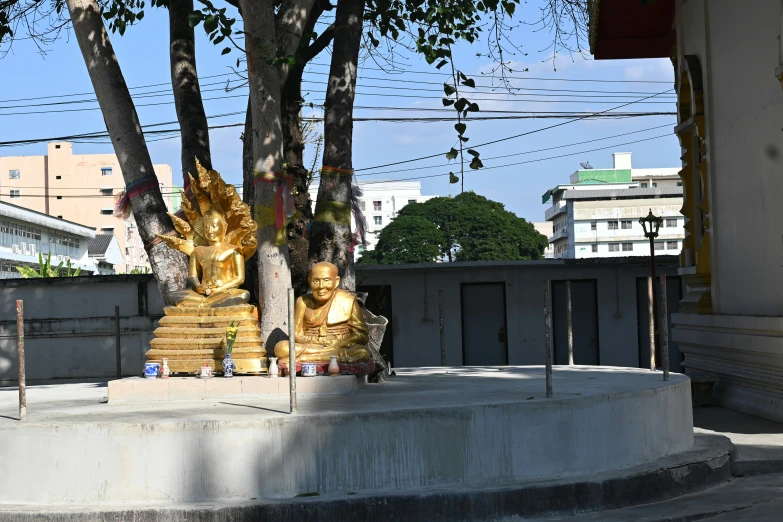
[650, 225]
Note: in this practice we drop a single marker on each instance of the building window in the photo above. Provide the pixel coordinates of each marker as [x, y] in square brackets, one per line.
[376, 206]
[15, 194]
[14, 174]
[56, 146]
[107, 211]
[671, 222]
[105, 171]
[107, 191]
[626, 225]
[614, 247]
[644, 185]
[593, 226]
[671, 245]
[410, 201]
[107, 229]
[59, 197]
[361, 206]
[594, 247]
[379, 220]
[655, 184]
[58, 177]
[613, 225]
[659, 245]
[627, 247]
[679, 183]
[59, 217]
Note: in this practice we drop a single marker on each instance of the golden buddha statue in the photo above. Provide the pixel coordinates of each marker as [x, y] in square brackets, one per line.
[218, 235]
[329, 322]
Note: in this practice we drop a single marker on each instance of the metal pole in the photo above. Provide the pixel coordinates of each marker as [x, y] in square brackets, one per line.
[291, 350]
[651, 316]
[20, 354]
[547, 340]
[656, 354]
[117, 341]
[664, 329]
[442, 329]
[570, 322]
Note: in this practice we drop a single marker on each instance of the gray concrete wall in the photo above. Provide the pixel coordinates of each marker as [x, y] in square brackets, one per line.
[70, 327]
[415, 320]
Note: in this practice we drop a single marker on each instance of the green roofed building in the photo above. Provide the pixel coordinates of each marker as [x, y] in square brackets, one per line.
[597, 213]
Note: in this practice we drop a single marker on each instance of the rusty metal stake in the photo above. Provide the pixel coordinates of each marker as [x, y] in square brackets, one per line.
[117, 345]
[20, 353]
[442, 329]
[291, 350]
[664, 329]
[547, 340]
[651, 315]
[570, 324]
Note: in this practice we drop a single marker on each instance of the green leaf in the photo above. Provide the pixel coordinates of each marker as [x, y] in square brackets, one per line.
[473, 107]
[460, 127]
[473, 153]
[464, 139]
[476, 164]
[453, 178]
[226, 50]
[195, 18]
[462, 76]
[452, 154]
[441, 64]
[210, 23]
[448, 89]
[140, 15]
[461, 104]
[470, 82]
[509, 7]
[447, 102]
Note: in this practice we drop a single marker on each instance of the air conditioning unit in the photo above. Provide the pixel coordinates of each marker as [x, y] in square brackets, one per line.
[23, 247]
[15, 249]
[32, 250]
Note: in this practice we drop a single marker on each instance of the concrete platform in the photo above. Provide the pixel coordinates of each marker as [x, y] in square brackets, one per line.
[459, 429]
[139, 389]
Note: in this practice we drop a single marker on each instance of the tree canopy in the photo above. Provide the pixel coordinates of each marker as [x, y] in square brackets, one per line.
[467, 227]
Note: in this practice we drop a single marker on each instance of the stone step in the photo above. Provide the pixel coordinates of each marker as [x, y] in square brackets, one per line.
[167, 343]
[182, 332]
[207, 322]
[240, 310]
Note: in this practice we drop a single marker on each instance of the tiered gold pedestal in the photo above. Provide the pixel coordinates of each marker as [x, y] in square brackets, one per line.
[192, 337]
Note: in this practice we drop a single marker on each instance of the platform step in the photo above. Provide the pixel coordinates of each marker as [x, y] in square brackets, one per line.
[182, 332]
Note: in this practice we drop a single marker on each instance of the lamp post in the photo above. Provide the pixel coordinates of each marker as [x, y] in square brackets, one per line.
[650, 225]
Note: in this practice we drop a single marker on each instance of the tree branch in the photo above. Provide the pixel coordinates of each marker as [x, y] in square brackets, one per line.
[320, 43]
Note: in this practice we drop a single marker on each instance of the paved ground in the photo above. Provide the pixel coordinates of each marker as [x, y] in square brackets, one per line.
[417, 388]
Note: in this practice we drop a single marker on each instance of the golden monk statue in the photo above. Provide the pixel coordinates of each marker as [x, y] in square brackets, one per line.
[218, 235]
[329, 322]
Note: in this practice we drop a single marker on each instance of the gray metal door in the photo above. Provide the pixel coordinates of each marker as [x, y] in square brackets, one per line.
[584, 316]
[484, 324]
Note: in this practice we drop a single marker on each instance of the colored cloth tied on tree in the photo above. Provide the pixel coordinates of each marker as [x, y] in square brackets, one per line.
[283, 209]
[122, 205]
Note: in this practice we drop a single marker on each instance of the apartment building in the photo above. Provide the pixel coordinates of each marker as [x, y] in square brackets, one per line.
[80, 188]
[380, 202]
[597, 213]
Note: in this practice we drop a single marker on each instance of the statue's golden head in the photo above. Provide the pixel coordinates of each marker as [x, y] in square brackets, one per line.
[215, 226]
[323, 280]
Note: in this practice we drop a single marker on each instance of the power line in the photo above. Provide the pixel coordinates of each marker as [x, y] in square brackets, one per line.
[514, 136]
[526, 162]
[521, 153]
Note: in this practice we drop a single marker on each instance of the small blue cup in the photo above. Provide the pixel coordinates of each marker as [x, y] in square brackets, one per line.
[151, 370]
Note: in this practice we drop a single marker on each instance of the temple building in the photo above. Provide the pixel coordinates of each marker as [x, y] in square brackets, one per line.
[728, 63]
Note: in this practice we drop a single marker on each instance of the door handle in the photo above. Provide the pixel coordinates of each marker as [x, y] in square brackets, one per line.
[502, 335]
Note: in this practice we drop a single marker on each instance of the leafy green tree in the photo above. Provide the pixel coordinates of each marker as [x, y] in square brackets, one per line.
[470, 227]
[45, 269]
[407, 239]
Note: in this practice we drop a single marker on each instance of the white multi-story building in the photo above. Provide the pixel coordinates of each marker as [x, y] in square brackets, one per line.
[545, 228]
[380, 202]
[597, 213]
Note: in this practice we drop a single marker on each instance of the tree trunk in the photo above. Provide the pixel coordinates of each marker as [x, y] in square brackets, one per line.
[274, 271]
[122, 123]
[331, 235]
[193, 125]
[249, 197]
[295, 18]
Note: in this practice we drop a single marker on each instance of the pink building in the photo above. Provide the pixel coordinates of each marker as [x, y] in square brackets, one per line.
[80, 188]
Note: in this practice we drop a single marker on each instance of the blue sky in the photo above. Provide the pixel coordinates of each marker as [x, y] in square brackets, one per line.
[143, 56]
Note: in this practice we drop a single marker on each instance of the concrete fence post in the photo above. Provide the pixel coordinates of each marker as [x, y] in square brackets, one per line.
[548, 339]
[664, 329]
[651, 316]
[117, 345]
[291, 350]
[20, 354]
[442, 329]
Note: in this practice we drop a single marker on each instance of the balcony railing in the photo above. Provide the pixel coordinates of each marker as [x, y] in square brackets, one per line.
[554, 210]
